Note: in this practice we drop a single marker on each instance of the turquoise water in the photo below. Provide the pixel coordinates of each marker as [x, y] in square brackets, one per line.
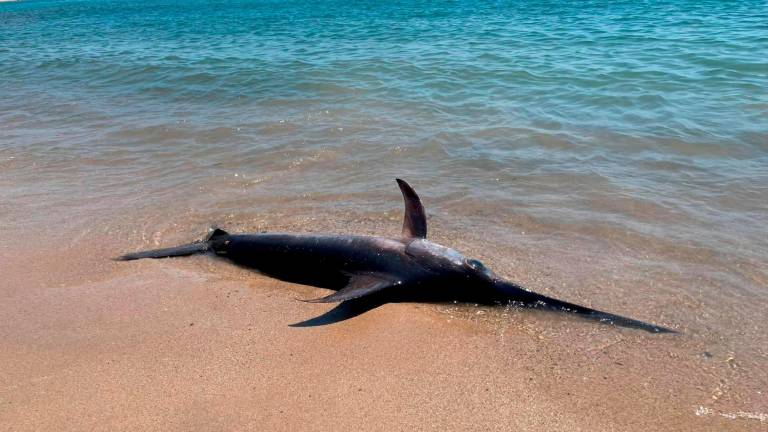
[609, 153]
[690, 71]
[646, 117]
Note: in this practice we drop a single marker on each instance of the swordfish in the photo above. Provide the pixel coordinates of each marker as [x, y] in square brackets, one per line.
[409, 268]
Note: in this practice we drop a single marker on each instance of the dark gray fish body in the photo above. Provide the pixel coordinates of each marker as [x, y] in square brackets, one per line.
[325, 261]
[410, 268]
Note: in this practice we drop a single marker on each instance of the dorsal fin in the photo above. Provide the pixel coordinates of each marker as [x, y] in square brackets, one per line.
[415, 220]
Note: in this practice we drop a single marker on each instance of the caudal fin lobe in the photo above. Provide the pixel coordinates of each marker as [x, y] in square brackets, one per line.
[183, 250]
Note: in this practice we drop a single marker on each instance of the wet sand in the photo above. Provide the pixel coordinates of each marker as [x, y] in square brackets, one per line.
[198, 344]
[621, 167]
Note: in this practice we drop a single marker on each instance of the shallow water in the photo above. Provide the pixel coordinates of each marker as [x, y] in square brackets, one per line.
[615, 155]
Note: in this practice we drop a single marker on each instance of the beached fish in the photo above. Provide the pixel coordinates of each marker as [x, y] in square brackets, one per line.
[409, 268]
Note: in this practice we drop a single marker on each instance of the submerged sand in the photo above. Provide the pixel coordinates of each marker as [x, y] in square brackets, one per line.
[196, 344]
[622, 167]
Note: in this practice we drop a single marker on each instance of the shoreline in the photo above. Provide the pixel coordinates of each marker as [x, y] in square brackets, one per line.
[618, 167]
[197, 342]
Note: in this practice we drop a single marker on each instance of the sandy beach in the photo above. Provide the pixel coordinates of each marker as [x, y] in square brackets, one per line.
[196, 343]
[609, 154]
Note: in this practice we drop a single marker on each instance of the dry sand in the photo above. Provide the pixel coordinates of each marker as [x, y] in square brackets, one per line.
[197, 344]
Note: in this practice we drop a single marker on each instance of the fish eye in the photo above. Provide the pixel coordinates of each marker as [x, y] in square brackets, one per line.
[476, 264]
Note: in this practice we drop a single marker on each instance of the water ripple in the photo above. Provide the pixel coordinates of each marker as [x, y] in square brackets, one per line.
[660, 101]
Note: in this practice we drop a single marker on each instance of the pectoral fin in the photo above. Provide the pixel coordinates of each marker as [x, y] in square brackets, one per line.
[415, 220]
[360, 284]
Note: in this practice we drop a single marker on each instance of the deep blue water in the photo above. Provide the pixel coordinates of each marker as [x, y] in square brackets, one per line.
[695, 71]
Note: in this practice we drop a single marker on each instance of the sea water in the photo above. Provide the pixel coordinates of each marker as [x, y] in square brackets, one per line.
[624, 139]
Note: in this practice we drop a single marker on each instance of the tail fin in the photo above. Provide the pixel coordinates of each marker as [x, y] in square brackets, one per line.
[183, 250]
